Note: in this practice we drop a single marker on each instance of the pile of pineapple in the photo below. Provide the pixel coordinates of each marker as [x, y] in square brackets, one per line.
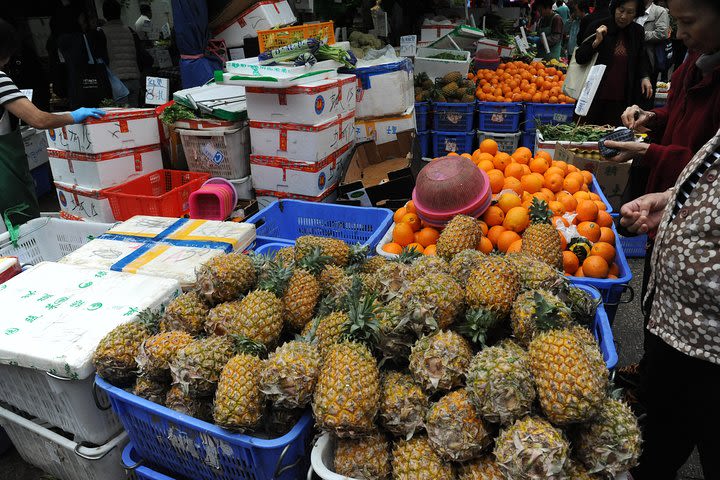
[461, 365]
[453, 88]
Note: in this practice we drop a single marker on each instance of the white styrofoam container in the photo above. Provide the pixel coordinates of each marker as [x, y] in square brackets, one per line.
[35, 146]
[119, 129]
[248, 73]
[385, 129]
[301, 178]
[438, 67]
[307, 104]
[263, 15]
[266, 197]
[433, 31]
[385, 89]
[61, 457]
[102, 170]
[302, 143]
[84, 204]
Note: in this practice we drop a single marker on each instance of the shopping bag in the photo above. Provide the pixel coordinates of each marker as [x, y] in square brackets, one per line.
[93, 82]
[577, 74]
[119, 90]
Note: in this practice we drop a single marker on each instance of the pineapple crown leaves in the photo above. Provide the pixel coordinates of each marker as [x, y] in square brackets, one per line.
[546, 313]
[363, 326]
[477, 324]
[358, 254]
[314, 262]
[277, 279]
[407, 256]
[245, 345]
[150, 319]
[539, 211]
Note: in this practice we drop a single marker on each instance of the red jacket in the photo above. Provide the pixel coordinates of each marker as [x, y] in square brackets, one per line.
[690, 118]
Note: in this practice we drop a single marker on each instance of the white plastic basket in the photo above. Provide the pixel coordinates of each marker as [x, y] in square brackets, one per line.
[244, 188]
[322, 456]
[384, 241]
[221, 153]
[60, 457]
[49, 239]
[507, 142]
[67, 404]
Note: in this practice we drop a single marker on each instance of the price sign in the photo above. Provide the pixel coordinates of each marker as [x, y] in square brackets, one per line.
[408, 45]
[520, 44]
[589, 90]
[450, 145]
[157, 90]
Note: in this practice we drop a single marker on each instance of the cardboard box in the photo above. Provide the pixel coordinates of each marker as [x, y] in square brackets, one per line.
[308, 104]
[260, 16]
[55, 315]
[84, 204]
[302, 143]
[35, 147]
[385, 129]
[102, 170]
[438, 67]
[385, 89]
[119, 129]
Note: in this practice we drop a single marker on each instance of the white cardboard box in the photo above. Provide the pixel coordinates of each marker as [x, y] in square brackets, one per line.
[301, 178]
[384, 129]
[84, 204]
[35, 147]
[385, 89]
[267, 197]
[307, 104]
[432, 31]
[119, 129]
[55, 315]
[261, 16]
[438, 67]
[102, 170]
[302, 143]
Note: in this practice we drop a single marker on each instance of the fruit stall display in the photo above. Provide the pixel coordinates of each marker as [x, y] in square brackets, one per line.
[521, 82]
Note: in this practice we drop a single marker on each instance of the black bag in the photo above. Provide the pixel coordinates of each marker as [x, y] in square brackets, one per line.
[92, 82]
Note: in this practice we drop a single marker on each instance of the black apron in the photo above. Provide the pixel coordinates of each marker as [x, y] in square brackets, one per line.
[17, 189]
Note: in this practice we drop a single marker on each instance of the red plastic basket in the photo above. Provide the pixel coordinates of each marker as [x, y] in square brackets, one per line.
[164, 193]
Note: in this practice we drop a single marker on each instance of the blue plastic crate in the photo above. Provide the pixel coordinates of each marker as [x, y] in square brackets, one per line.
[547, 113]
[422, 113]
[271, 248]
[203, 451]
[499, 117]
[602, 330]
[635, 247]
[452, 117]
[595, 188]
[286, 220]
[41, 178]
[132, 461]
[447, 142]
[528, 140]
[424, 141]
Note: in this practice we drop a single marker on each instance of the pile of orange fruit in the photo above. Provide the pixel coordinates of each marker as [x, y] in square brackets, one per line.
[520, 82]
[515, 179]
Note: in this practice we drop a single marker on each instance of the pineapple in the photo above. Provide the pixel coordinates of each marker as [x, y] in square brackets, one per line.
[392, 277]
[152, 390]
[290, 373]
[337, 250]
[285, 255]
[277, 422]
[427, 264]
[433, 302]
[402, 405]
[455, 428]
[156, 353]
[610, 444]
[224, 278]
[303, 290]
[395, 338]
[463, 264]
[575, 471]
[541, 239]
[179, 401]
[238, 402]
[439, 361]
[328, 330]
[187, 312]
[582, 305]
[372, 264]
[532, 449]
[483, 468]
[493, 285]
[456, 77]
[197, 366]
[450, 89]
[416, 459]
[535, 311]
[461, 233]
[500, 384]
[570, 375]
[335, 285]
[479, 324]
[365, 458]
[534, 273]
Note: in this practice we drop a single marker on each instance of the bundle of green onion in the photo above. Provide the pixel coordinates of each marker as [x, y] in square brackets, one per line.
[307, 52]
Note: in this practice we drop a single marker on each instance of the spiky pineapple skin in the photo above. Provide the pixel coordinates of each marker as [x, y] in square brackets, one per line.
[224, 278]
[300, 299]
[455, 428]
[329, 331]
[542, 241]
[337, 250]
[372, 264]
[258, 317]
[402, 405]
[156, 353]
[427, 265]
[433, 302]
[179, 401]
[152, 390]
[439, 361]
[114, 357]
[290, 374]
[365, 458]
[285, 255]
[463, 264]
[416, 459]
[238, 402]
[500, 384]
[347, 394]
[483, 468]
[570, 375]
[187, 312]
[393, 280]
[493, 285]
[197, 366]
[395, 338]
[535, 273]
[461, 233]
[524, 314]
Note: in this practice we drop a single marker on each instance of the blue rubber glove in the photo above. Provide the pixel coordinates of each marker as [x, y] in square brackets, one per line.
[82, 113]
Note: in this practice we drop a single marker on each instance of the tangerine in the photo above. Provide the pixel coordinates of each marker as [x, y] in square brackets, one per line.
[516, 246]
[595, 266]
[531, 183]
[601, 205]
[512, 183]
[604, 250]
[411, 219]
[466, 155]
[567, 200]
[392, 247]
[552, 170]
[410, 206]
[403, 234]
[489, 146]
[607, 235]
[430, 250]
[587, 210]
[579, 272]
[571, 185]
[505, 239]
[570, 262]
[427, 236]
[485, 246]
[554, 182]
[502, 160]
[514, 170]
[486, 165]
[614, 270]
[589, 230]
[517, 219]
[399, 214]
[497, 180]
[415, 246]
[483, 227]
[587, 176]
[508, 201]
[494, 233]
[557, 207]
[493, 216]
[522, 155]
[538, 165]
[577, 176]
[545, 155]
[604, 219]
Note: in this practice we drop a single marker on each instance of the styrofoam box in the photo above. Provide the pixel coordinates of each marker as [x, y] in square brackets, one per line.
[306, 104]
[302, 143]
[385, 89]
[87, 204]
[119, 129]
[439, 67]
[267, 197]
[433, 31]
[385, 129]
[102, 170]
[301, 178]
[549, 145]
[35, 147]
[261, 16]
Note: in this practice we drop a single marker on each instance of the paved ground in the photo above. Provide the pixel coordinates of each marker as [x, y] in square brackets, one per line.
[628, 338]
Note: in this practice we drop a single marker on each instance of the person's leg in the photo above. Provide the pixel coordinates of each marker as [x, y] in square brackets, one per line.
[708, 391]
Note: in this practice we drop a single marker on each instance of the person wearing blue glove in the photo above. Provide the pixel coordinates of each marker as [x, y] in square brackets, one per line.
[18, 203]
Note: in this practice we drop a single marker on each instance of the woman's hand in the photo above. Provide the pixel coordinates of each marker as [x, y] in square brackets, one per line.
[628, 150]
[636, 118]
[647, 88]
[599, 35]
[644, 214]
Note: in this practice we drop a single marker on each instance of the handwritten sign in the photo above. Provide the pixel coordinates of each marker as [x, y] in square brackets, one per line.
[157, 90]
[589, 90]
[520, 44]
[408, 45]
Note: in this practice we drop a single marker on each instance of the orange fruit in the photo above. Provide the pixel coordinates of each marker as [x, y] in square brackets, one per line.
[561, 165]
[485, 246]
[415, 246]
[581, 196]
[522, 155]
[392, 247]
[607, 235]
[427, 236]
[410, 206]
[399, 214]
[594, 196]
[526, 170]
[601, 205]
[497, 180]
[538, 164]
[553, 170]
[549, 194]
[557, 207]
[476, 156]
[563, 241]
[587, 176]
[505, 239]
[517, 219]
[604, 219]
[531, 183]
[486, 165]
[430, 250]
[587, 210]
[493, 216]
[516, 246]
[545, 155]
[466, 155]
[570, 262]
[577, 176]
[514, 170]
[589, 230]
[567, 200]
[483, 227]
[604, 250]
[571, 185]
[614, 270]
[489, 146]
[411, 219]
[595, 266]
[494, 233]
[579, 273]
[611, 276]
[502, 160]
[512, 183]
[452, 154]
[403, 234]
[508, 201]
[554, 182]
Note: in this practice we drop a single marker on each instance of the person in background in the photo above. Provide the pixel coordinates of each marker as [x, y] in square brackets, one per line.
[143, 25]
[122, 53]
[551, 24]
[17, 190]
[580, 9]
[620, 45]
[602, 10]
[562, 10]
[656, 23]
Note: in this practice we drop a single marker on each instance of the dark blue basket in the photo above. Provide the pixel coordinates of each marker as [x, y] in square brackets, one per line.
[422, 112]
[499, 117]
[424, 142]
[528, 140]
[271, 248]
[203, 451]
[547, 113]
[602, 330]
[132, 461]
[447, 142]
[452, 117]
[634, 247]
[286, 220]
[41, 178]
